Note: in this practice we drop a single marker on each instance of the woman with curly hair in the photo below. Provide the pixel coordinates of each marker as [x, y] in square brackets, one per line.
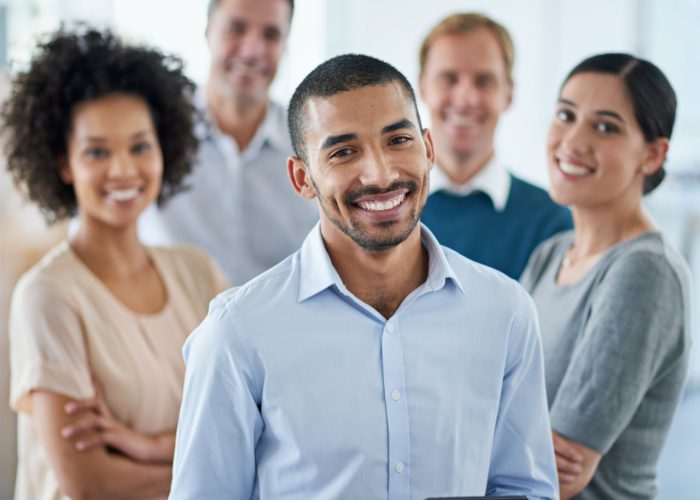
[101, 129]
[612, 295]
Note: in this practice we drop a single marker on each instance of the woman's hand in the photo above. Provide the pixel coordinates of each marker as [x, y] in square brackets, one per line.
[95, 426]
[576, 465]
[569, 460]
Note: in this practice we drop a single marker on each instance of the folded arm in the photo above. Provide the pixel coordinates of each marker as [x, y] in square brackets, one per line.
[95, 426]
[95, 473]
[576, 465]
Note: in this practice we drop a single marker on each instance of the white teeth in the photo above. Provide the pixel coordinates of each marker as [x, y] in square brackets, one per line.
[570, 169]
[376, 206]
[123, 194]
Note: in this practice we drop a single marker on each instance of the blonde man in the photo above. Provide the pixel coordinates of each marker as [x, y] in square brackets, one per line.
[476, 206]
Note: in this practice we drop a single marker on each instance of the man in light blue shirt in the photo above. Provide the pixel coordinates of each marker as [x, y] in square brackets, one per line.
[372, 363]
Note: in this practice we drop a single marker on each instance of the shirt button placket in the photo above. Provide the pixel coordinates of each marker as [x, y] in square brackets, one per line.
[393, 370]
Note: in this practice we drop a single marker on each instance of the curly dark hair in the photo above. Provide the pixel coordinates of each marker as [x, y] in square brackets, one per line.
[79, 65]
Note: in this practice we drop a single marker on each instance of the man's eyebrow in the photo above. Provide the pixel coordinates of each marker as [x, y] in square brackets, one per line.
[405, 123]
[332, 140]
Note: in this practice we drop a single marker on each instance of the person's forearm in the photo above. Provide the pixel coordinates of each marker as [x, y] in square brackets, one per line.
[96, 473]
[114, 477]
[164, 448]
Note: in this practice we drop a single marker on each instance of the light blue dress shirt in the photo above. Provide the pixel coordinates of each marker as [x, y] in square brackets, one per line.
[296, 389]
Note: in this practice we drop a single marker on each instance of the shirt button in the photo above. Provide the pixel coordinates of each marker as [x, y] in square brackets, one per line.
[395, 395]
[399, 467]
[389, 327]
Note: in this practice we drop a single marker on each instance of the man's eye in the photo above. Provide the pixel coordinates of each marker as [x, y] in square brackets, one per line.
[448, 78]
[272, 34]
[484, 81]
[341, 153]
[400, 140]
[237, 27]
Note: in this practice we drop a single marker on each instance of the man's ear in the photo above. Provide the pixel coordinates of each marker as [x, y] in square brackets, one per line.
[64, 170]
[509, 97]
[300, 177]
[429, 146]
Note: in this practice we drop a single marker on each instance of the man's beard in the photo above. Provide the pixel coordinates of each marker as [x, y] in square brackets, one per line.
[355, 232]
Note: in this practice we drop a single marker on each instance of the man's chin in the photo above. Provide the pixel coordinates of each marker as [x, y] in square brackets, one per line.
[390, 237]
[252, 92]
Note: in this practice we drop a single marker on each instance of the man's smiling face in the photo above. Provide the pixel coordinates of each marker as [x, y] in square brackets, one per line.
[368, 165]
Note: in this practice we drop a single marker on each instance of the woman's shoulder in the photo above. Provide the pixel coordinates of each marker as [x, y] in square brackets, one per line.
[191, 266]
[648, 262]
[646, 254]
[50, 284]
[56, 270]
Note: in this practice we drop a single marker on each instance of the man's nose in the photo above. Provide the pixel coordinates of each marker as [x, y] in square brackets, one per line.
[465, 94]
[252, 44]
[378, 170]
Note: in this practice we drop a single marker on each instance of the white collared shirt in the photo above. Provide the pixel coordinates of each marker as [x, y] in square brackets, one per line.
[240, 207]
[493, 180]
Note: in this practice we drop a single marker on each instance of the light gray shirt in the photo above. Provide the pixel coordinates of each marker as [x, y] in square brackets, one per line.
[240, 206]
[616, 350]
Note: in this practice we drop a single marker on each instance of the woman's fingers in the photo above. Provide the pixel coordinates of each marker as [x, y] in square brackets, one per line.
[90, 443]
[566, 450]
[79, 406]
[565, 465]
[88, 423]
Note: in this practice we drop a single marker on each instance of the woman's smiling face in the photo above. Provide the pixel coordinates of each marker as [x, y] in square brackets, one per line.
[114, 160]
[596, 150]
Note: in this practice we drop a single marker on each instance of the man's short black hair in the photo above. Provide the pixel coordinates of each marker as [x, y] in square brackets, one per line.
[340, 74]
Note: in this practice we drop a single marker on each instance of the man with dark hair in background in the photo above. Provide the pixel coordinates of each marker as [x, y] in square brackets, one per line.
[240, 207]
[476, 206]
[372, 363]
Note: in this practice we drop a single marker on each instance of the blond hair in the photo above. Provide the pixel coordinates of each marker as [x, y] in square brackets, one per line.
[461, 24]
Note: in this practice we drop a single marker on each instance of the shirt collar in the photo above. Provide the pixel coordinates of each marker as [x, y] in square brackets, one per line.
[317, 272]
[272, 130]
[493, 180]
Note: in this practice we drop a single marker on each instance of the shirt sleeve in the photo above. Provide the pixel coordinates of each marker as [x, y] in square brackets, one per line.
[220, 422]
[47, 346]
[633, 331]
[522, 461]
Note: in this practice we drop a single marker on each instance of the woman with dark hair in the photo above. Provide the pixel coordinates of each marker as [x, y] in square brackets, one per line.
[101, 129]
[612, 295]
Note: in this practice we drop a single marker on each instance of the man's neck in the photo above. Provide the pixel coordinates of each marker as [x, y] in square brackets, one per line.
[238, 119]
[382, 279]
[461, 167]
